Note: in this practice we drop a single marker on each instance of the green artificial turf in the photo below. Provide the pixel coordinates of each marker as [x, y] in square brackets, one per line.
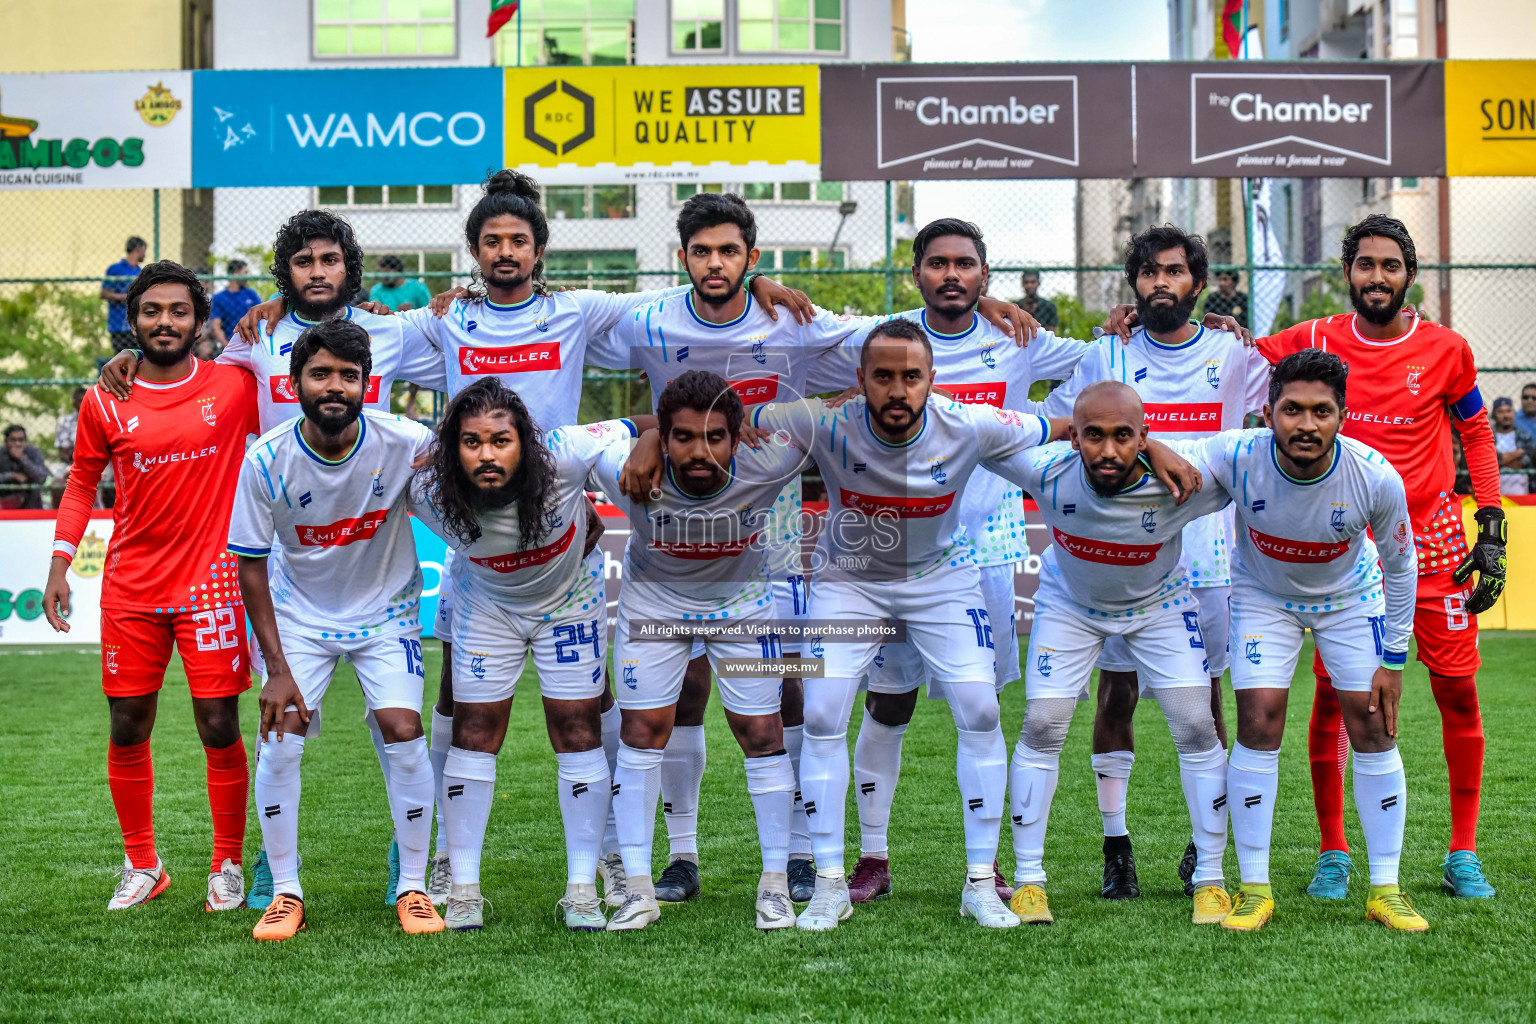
[909, 957]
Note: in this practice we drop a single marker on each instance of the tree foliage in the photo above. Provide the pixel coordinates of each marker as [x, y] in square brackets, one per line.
[49, 331]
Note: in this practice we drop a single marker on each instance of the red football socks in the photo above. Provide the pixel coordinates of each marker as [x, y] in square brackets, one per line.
[1328, 751]
[131, 778]
[1461, 728]
[228, 782]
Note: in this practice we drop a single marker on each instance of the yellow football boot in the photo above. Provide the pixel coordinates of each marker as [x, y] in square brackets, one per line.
[1390, 906]
[1252, 908]
[1212, 904]
[1030, 905]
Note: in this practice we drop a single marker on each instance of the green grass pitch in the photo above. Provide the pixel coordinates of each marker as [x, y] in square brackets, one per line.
[909, 957]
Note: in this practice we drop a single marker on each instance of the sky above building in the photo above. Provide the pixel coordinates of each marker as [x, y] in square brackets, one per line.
[1026, 222]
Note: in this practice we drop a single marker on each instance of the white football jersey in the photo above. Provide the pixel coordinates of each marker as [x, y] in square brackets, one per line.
[1190, 391]
[893, 510]
[536, 347]
[341, 560]
[1304, 542]
[400, 352]
[545, 577]
[703, 558]
[1112, 555]
[764, 360]
[984, 366]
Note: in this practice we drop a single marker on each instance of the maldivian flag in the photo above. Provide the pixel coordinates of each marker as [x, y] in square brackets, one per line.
[1231, 26]
[501, 13]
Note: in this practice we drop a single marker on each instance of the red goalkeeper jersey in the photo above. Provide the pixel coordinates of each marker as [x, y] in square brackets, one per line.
[176, 451]
[1403, 395]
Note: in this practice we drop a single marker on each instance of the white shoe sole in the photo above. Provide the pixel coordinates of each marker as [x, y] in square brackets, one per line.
[635, 923]
[1011, 921]
[773, 924]
[822, 926]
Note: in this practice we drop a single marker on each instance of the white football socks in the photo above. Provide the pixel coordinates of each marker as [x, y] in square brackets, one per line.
[636, 784]
[824, 783]
[876, 769]
[1204, 779]
[442, 739]
[1253, 781]
[410, 804]
[610, 721]
[583, 784]
[682, 773]
[1031, 786]
[1381, 798]
[771, 783]
[981, 766]
[469, 785]
[1112, 776]
[799, 828]
[277, 808]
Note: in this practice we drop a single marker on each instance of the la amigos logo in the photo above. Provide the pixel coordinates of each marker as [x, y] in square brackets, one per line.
[18, 150]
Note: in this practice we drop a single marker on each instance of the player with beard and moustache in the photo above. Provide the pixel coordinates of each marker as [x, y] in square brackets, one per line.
[511, 500]
[1114, 568]
[718, 326]
[1306, 498]
[697, 557]
[1412, 380]
[974, 363]
[328, 570]
[317, 264]
[175, 447]
[1193, 382]
[896, 462]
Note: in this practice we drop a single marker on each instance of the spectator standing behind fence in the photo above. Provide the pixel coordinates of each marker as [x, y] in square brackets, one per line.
[21, 464]
[1525, 416]
[1043, 310]
[399, 293]
[115, 290]
[1226, 299]
[1516, 448]
[64, 446]
[229, 304]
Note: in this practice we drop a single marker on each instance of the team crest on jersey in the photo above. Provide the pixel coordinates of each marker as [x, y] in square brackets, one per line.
[553, 520]
[1213, 373]
[205, 406]
[757, 351]
[1148, 520]
[817, 650]
[1043, 660]
[477, 664]
[936, 470]
[1413, 379]
[1336, 520]
[378, 482]
[629, 674]
[987, 358]
[541, 324]
[880, 657]
[1251, 649]
[109, 657]
[744, 513]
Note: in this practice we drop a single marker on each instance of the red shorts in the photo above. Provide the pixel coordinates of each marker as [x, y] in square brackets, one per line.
[136, 647]
[1446, 634]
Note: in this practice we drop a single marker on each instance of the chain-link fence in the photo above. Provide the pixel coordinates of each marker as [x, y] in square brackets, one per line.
[1056, 244]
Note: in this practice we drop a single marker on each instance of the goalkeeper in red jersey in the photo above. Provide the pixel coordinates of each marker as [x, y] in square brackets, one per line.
[176, 447]
[1410, 383]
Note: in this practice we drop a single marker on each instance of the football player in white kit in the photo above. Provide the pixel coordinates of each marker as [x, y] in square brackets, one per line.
[718, 327]
[328, 570]
[974, 362]
[698, 557]
[511, 500]
[1193, 381]
[1305, 498]
[318, 264]
[1114, 569]
[895, 461]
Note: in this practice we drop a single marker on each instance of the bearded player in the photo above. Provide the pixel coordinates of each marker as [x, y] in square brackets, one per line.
[175, 448]
[1410, 382]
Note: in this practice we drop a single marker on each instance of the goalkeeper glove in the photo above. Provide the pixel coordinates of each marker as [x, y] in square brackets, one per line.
[1487, 557]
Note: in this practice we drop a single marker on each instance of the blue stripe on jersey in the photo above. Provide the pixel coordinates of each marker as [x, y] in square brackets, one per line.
[1468, 405]
[249, 552]
[1045, 429]
[283, 486]
[266, 475]
[832, 436]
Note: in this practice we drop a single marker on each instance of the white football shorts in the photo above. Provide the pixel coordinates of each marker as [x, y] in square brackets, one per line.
[388, 668]
[1215, 616]
[898, 668]
[649, 673]
[491, 642]
[1267, 635]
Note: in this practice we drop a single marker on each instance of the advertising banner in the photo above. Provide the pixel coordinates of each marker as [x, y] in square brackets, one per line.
[625, 124]
[1294, 120]
[345, 126]
[96, 130]
[977, 121]
[1490, 117]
